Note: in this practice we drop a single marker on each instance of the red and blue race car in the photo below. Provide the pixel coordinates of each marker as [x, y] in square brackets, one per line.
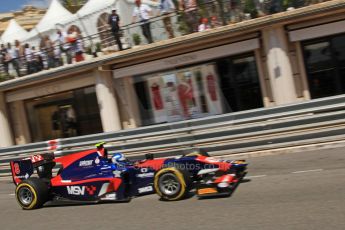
[92, 176]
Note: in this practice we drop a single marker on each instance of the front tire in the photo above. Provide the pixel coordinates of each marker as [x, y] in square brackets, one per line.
[172, 184]
[32, 193]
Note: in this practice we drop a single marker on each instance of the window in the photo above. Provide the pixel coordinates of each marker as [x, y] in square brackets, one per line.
[325, 64]
[64, 115]
[240, 83]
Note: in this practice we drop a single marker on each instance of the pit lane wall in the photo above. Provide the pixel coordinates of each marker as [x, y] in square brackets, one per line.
[301, 124]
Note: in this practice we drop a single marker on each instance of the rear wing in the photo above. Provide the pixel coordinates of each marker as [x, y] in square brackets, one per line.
[23, 169]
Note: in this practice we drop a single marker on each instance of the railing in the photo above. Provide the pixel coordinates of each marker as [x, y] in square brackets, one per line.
[214, 14]
[313, 122]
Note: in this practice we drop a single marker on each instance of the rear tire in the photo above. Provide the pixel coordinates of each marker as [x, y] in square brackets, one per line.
[172, 184]
[32, 193]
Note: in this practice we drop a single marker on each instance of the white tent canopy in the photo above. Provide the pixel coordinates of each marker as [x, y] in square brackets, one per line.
[93, 6]
[55, 14]
[86, 19]
[33, 32]
[14, 32]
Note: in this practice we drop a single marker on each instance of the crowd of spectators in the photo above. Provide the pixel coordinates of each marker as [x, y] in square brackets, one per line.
[51, 53]
[193, 16]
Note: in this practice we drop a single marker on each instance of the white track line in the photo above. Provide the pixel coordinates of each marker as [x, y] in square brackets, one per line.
[306, 171]
[12, 194]
[248, 177]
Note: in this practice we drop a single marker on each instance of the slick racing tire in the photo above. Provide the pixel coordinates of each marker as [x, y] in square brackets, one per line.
[32, 193]
[172, 184]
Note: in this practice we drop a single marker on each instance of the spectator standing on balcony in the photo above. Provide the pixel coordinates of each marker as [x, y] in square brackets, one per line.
[166, 7]
[57, 56]
[29, 59]
[214, 22]
[143, 12]
[235, 10]
[72, 39]
[4, 57]
[114, 22]
[275, 6]
[13, 58]
[58, 49]
[64, 46]
[38, 60]
[47, 47]
[189, 7]
[79, 52]
[211, 7]
[19, 50]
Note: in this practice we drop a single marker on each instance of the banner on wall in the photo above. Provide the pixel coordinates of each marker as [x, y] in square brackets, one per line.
[156, 92]
[212, 89]
[188, 93]
[171, 98]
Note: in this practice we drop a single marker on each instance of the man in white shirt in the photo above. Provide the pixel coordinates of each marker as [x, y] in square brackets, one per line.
[143, 13]
[63, 45]
[13, 54]
[29, 59]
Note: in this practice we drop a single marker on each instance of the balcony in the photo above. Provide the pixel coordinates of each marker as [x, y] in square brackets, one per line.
[207, 18]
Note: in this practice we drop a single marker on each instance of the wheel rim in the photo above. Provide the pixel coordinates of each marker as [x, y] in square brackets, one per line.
[25, 196]
[169, 184]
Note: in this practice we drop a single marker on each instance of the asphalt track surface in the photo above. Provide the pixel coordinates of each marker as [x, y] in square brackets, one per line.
[303, 190]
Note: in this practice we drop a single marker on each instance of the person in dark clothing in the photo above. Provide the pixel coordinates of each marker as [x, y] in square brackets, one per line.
[4, 58]
[114, 22]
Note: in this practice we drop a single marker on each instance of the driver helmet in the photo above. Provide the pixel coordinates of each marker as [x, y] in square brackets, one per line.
[119, 159]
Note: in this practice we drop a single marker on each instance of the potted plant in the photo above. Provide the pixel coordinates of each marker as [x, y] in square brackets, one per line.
[289, 4]
[182, 24]
[98, 49]
[136, 39]
[88, 52]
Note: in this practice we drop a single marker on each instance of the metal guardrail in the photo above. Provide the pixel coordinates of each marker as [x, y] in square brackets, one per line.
[315, 121]
[318, 111]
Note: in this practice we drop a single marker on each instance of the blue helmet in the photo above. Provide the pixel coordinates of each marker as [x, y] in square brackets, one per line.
[119, 159]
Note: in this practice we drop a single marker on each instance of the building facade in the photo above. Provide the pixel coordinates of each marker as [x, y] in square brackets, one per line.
[286, 58]
[28, 17]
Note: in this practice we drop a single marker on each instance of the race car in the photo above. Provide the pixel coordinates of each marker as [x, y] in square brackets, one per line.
[93, 176]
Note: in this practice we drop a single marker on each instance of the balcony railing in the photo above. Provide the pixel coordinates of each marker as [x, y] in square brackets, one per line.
[207, 15]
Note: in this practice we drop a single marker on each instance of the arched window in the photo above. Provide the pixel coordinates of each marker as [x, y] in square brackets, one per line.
[104, 31]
